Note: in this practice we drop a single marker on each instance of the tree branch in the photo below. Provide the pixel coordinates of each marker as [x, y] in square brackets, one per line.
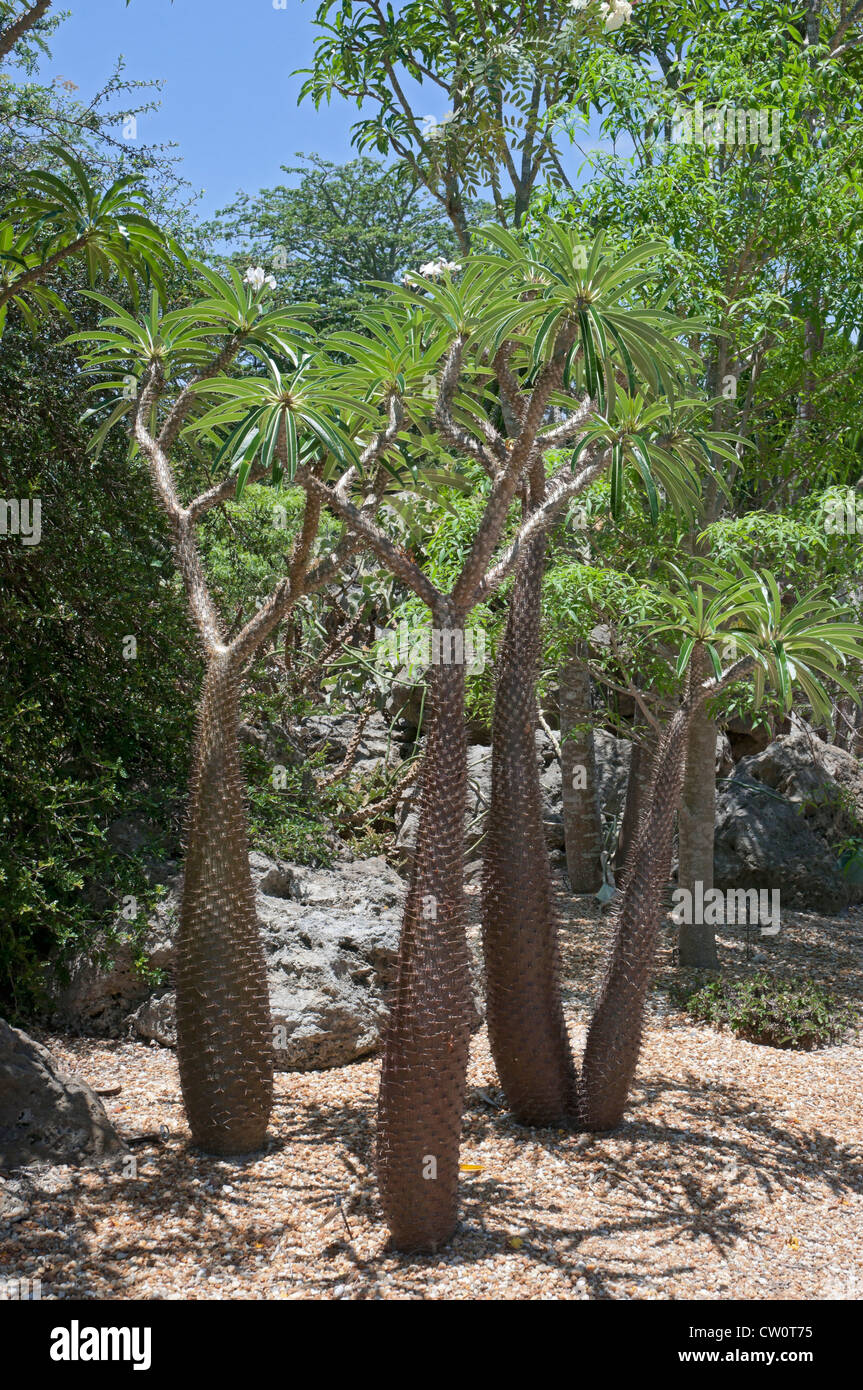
[15, 32]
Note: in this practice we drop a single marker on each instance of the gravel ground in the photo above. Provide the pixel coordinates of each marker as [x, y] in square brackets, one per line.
[738, 1173]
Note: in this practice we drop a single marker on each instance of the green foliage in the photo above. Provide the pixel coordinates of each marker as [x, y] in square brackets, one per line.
[53, 218]
[36, 118]
[289, 821]
[501, 70]
[765, 238]
[339, 228]
[87, 735]
[769, 1009]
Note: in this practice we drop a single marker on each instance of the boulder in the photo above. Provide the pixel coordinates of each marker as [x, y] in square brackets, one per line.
[824, 781]
[331, 942]
[763, 841]
[333, 733]
[156, 1019]
[15, 1201]
[46, 1114]
[274, 742]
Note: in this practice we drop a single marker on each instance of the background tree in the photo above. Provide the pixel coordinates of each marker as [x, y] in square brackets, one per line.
[35, 118]
[747, 219]
[339, 229]
[805, 645]
[500, 70]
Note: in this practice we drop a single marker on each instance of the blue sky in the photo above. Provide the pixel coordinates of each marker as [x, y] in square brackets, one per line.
[229, 100]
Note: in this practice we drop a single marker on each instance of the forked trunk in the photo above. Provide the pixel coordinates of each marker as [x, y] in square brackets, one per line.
[224, 1038]
[527, 1032]
[428, 1032]
[526, 1026]
[582, 823]
[614, 1037]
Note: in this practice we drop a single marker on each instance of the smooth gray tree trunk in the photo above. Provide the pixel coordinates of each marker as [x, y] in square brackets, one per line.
[582, 824]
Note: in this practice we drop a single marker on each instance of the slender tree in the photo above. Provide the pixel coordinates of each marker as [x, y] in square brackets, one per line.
[569, 281]
[804, 645]
[582, 823]
[696, 820]
[224, 1040]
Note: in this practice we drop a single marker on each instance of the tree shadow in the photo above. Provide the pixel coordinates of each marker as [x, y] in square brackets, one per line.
[669, 1183]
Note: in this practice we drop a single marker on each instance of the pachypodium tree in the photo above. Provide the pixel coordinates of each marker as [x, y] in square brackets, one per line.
[484, 331]
[620, 337]
[53, 221]
[170, 365]
[727, 627]
[788, 645]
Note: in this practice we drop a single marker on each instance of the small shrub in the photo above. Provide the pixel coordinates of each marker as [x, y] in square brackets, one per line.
[777, 1012]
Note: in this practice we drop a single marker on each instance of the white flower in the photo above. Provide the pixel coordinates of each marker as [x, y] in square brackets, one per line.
[615, 13]
[578, 4]
[432, 270]
[124, 231]
[257, 277]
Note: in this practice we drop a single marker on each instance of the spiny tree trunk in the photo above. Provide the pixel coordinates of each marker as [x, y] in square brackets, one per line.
[637, 789]
[614, 1037]
[224, 1039]
[428, 1033]
[696, 820]
[526, 1026]
[525, 1017]
[582, 824]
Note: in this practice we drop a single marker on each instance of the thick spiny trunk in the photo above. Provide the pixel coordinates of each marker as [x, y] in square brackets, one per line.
[696, 819]
[637, 791]
[582, 824]
[527, 1031]
[428, 1033]
[224, 1038]
[614, 1036]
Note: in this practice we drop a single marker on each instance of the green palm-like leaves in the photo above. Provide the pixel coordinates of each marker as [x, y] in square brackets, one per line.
[568, 285]
[60, 217]
[17, 258]
[660, 443]
[802, 645]
[230, 315]
[466, 306]
[282, 418]
[394, 355]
